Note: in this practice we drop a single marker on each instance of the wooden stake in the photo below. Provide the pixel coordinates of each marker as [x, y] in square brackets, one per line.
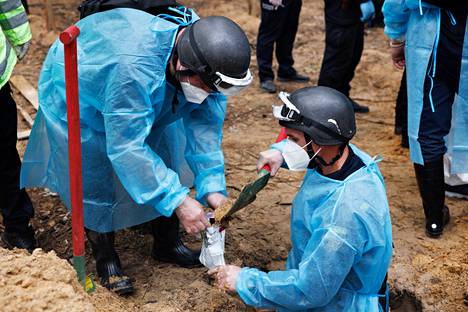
[22, 135]
[26, 90]
[25, 115]
[30, 94]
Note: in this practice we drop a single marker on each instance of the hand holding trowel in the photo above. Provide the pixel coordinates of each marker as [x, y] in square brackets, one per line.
[248, 193]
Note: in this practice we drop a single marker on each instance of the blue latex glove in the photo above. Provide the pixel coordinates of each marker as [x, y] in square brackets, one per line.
[367, 11]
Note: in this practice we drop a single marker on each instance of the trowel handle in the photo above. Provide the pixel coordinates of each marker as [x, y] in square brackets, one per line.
[281, 136]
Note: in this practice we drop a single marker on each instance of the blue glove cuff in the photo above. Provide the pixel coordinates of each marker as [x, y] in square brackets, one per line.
[367, 11]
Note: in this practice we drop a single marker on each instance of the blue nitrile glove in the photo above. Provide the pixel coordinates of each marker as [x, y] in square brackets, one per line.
[367, 11]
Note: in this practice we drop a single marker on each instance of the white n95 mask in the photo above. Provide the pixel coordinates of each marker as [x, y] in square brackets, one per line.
[193, 94]
[296, 157]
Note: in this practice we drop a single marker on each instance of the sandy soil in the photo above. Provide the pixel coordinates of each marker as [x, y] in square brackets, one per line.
[39, 282]
[426, 274]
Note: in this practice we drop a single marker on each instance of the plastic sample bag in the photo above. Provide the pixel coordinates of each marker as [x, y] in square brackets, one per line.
[212, 252]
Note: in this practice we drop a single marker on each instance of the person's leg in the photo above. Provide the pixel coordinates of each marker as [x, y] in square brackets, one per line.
[168, 247]
[269, 31]
[337, 61]
[435, 123]
[456, 185]
[378, 20]
[401, 112]
[285, 43]
[356, 36]
[358, 46]
[108, 266]
[343, 49]
[16, 207]
[434, 126]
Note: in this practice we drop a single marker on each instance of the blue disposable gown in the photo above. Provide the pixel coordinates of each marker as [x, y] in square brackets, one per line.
[419, 23]
[135, 143]
[341, 247]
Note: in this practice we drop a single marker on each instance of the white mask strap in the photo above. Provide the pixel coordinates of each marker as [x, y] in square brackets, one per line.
[316, 153]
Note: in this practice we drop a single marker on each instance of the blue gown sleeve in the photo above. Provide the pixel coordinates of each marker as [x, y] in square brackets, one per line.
[396, 15]
[326, 262]
[204, 131]
[128, 118]
[279, 147]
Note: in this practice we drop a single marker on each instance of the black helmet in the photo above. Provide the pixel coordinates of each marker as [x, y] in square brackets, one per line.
[216, 49]
[324, 114]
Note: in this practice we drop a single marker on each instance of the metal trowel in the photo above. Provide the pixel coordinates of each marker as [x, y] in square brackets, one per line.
[249, 192]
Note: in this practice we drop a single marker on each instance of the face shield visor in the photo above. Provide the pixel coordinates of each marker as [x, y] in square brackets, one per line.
[232, 86]
[287, 111]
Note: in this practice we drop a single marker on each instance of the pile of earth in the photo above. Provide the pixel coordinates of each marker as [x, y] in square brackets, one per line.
[43, 282]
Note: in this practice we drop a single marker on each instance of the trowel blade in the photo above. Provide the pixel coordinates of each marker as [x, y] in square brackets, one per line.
[248, 194]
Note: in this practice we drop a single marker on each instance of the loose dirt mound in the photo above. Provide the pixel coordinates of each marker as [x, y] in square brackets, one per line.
[39, 282]
[44, 282]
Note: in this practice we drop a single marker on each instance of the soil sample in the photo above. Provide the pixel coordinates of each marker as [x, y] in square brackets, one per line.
[222, 210]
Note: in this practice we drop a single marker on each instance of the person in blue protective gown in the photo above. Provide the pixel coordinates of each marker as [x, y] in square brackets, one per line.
[340, 222]
[430, 38]
[152, 104]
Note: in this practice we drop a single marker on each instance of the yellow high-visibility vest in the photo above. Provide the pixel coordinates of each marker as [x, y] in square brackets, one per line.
[15, 31]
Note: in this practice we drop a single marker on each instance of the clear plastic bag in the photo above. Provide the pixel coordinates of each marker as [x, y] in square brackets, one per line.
[212, 252]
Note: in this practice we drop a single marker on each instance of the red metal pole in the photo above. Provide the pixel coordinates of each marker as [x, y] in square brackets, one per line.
[68, 38]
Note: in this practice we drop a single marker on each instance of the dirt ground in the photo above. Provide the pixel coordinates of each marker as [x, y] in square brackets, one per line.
[425, 275]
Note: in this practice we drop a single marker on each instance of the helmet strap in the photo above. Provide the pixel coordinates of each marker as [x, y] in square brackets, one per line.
[204, 71]
[308, 138]
[313, 163]
[175, 55]
[174, 58]
[334, 159]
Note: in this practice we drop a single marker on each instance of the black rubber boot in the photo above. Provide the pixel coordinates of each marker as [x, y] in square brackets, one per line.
[457, 191]
[430, 179]
[168, 246]
[20, 239]
[108, 265]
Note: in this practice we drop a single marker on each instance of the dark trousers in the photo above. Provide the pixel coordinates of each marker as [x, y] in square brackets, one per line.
[401, 111]
[277, 27]
[435, 125]
[343, 50]
[16, 207]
